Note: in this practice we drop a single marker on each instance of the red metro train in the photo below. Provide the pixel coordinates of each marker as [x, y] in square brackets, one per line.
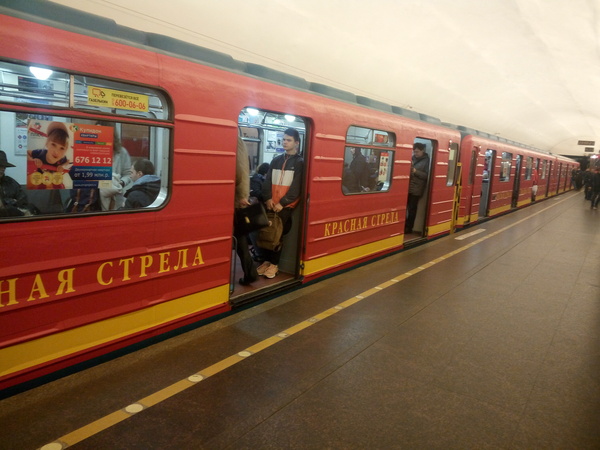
[81, 278]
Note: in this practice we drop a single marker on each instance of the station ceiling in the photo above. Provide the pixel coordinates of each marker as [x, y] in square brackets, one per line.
[525, 70]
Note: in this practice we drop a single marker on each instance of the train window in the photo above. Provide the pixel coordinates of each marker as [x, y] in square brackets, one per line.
[262, 132]
[368, 136]
[35, 85]
[452, 156]
[505, 166]
[473, 166]
[367, 169]
[544, 170]
[58, 166]
[528, 167]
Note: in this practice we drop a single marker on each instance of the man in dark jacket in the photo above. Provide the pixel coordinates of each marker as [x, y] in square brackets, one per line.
[146, 185]
[419, 172]
[595, 183]
[360, 170]
[13, 199]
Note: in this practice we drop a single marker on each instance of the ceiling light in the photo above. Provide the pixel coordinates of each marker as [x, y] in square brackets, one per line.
[40, 73]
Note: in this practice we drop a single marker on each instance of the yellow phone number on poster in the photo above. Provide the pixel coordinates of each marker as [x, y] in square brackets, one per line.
[111, 98]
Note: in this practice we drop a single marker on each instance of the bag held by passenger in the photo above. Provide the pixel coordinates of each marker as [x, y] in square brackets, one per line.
[251, 218]
[270, 237]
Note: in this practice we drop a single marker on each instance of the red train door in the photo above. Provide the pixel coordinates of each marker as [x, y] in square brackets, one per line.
[472, 187]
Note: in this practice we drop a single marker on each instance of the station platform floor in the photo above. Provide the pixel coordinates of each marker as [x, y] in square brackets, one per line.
[485, 339]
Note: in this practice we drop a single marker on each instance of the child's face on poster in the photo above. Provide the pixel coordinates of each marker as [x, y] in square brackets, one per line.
[56, 151]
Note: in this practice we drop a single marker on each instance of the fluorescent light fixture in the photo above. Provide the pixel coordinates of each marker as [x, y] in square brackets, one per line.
[40, 73]
[252, 111]
[290, 118]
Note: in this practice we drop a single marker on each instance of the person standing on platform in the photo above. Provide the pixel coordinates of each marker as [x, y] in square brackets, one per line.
[595, 188]
[587, 183]
[281, 191]
[419, 173]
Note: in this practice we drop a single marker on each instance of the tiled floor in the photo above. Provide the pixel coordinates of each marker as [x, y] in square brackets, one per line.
[495, 346]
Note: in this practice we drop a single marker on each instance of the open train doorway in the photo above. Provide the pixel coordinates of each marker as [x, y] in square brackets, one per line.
[488, 173]
[418, 192]
[276, 153]
[517, 184]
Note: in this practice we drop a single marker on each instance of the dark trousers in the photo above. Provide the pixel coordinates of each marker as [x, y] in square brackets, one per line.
[595, 199]
[273, 256]
[243, 252]
[411, 212]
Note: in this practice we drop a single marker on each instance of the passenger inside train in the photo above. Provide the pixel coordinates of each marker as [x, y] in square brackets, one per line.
[146, 185]
[281, 190]
[419, 176]
[13, 200]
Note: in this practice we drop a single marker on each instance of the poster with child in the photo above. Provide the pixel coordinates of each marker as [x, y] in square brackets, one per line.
[49, 155]
[68, 155]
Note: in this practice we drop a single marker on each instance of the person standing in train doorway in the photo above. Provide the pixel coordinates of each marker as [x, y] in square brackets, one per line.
[534, 188]
[281, 192]
[242, 192]
[419, 172]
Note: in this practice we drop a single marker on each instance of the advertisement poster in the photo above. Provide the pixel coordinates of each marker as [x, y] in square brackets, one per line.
[383, 166]
[274, 139]
[68, 155]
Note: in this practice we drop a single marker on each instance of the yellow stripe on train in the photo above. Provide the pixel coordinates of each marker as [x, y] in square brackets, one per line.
[66, 343]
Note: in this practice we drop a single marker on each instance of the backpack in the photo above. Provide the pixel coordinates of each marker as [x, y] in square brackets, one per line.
[269, 237]
[83, 200]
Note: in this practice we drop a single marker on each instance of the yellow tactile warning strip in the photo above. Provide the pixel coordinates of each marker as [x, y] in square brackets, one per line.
[159, 396]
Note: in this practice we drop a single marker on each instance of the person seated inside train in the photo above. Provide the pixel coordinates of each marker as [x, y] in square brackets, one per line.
[145, 187]
[13, 199]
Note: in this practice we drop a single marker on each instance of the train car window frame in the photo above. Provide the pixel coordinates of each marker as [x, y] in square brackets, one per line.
[505, 166]
[94, 146]
[368, 161]
[453, 153]
[544, 169]
[473, 165]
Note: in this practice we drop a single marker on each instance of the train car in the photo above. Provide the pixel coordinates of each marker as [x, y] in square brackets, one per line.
[500, 175]
[86, 272]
